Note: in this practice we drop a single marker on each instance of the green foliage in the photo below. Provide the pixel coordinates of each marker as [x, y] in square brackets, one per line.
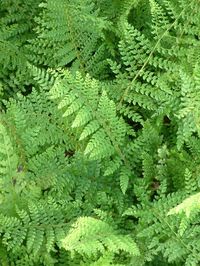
[16, 27]
[99, 132]
[191, 208]
[70, 33]
[90, 236]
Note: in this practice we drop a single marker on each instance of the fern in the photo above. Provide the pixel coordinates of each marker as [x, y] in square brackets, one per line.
[17, 22]
[90, 236]
[70, 33]
[189, 118]
[99, 132]
[190, 207]
[94, 117]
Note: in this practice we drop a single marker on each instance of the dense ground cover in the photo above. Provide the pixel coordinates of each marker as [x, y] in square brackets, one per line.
[100, 132]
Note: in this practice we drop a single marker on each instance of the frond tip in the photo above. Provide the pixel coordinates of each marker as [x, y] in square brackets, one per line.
[188, 206]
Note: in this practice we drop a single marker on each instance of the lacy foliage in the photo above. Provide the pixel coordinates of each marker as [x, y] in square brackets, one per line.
[100, 132]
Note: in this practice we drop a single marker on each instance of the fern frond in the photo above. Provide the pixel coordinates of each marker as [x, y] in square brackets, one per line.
[94, 115]
[72, 33]
[89, 236]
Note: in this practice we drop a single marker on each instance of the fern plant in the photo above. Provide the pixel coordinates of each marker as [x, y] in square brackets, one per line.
[70, 33]
[104, 240]
[99, 133]
[42, 191]
[16, 23]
